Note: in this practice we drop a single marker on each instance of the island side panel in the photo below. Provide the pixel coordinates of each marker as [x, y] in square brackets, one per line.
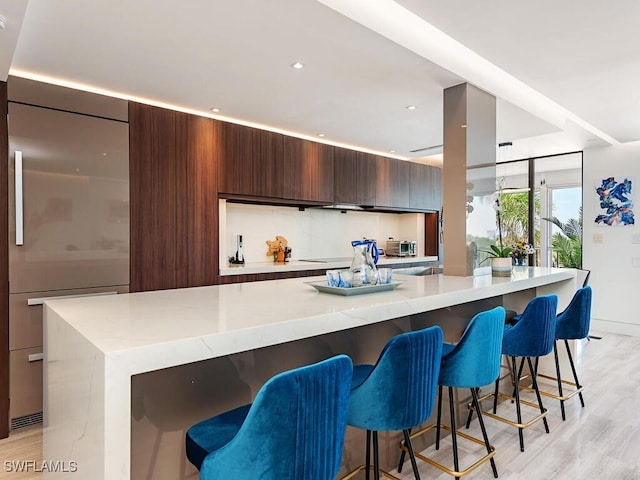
[159, 419]
[74, 394]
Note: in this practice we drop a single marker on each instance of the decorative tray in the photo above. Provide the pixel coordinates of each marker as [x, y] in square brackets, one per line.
[323, 287]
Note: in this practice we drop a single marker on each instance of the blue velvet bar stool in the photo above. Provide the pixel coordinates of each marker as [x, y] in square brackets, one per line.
[571, 324]
[397, 393]
[471, 363]
[532, 336]
[293, 430]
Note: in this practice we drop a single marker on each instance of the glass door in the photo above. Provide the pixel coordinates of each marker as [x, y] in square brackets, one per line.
[558, 180]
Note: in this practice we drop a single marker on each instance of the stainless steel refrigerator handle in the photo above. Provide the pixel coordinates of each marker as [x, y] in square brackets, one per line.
[39, 301]
[19, 205]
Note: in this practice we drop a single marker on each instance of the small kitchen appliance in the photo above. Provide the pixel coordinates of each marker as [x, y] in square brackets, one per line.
[401, 248]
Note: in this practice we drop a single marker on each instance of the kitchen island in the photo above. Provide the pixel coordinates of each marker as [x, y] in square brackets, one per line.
[126, 375]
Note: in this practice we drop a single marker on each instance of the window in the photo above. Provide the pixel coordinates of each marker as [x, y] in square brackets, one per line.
[556, 190]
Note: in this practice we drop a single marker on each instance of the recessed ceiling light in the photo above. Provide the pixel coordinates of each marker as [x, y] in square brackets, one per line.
[411, 107]
[215, 109]
[392, 151]
[297, 65]
[321, 134]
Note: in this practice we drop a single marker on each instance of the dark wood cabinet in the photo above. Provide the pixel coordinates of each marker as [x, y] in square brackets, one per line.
[425, 187]
[366, 174]
[383, 182]
[376, 181]
[263, 166]
[197, 197]
[269, 171]
[355, 176]
[181, 164]
[252, 163]
[392, 183]
[434, 188]
[152, 180]
[345, 176]
[173, 196]
[308, 170]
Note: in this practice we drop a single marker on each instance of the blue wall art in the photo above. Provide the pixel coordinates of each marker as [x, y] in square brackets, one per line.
[615, 201]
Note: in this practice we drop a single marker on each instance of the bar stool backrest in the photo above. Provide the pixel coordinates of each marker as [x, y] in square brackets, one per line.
[399, 392]
[574, 322]
[534, 333]
[475, 360]
[294, 430]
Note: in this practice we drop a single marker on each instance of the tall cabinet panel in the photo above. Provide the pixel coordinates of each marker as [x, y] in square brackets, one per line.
[200, 140]
[153, 168]
[4, 267]
[68, 226]
[174, 206]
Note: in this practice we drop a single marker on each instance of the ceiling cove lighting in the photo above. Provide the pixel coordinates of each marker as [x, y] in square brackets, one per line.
[297, 65]
[202, 113]
[402, 26]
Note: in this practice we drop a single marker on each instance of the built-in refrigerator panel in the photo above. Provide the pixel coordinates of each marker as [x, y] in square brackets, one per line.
[69, 227]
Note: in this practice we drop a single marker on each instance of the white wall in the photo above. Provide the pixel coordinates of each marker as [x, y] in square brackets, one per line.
[312, 233]
[609, 251]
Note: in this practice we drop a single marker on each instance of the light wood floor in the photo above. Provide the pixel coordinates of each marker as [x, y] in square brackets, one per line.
[22, 444]
[598, 442]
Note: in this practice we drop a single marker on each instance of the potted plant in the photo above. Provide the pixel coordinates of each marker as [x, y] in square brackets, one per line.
[500, 255]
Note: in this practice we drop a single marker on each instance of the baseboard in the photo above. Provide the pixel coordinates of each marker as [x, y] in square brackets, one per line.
[615, 327]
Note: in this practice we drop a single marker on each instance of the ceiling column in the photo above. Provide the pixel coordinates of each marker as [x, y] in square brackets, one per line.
[469, 170]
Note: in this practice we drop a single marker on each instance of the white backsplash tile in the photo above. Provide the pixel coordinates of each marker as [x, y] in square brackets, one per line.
[313, 232]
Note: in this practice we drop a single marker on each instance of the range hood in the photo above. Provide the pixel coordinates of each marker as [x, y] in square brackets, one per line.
[340, 206]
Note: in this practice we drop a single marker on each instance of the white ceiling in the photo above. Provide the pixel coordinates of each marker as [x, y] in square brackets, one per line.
[236, 55]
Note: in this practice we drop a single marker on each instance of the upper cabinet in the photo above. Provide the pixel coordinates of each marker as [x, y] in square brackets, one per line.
[345, 176]
[393, 181]
[252, 163]
[308, 170]
[355, 178]
[263, 166]
[425, 187]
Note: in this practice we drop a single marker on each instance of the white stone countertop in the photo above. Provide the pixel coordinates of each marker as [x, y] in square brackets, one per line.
[298, 265]
[153, 330]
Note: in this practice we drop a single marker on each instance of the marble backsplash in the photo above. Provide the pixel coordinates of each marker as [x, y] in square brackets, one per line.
[311, 232]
